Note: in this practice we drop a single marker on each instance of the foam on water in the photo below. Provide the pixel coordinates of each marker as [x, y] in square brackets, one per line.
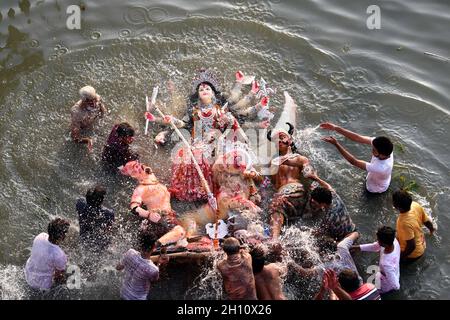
[12, 283]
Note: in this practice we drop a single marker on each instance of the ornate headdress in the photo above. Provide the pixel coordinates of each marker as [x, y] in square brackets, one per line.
[205, 76]
[271, 134]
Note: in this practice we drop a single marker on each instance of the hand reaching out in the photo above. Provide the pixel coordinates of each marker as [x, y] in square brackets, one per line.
[328, 126]
[330, 139]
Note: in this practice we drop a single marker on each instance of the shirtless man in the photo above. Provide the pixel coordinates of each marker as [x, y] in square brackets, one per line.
[236, 271]
[267, 277]
[290, 200]
[84, 114]
[161, 219]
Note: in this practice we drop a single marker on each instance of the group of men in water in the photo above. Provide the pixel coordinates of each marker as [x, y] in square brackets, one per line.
[255, 261]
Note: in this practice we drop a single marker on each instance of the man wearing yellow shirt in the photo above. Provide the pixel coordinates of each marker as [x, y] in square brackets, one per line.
[409, 226]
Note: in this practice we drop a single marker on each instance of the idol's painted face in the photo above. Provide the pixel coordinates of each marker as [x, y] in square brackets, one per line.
[205, 93]
[136, 170]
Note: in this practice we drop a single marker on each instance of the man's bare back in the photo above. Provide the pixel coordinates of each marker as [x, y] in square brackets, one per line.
[238, 278]
[268, 283]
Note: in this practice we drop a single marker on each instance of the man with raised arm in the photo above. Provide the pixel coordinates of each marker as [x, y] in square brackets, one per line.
[291, 197]
[379, 169]
[84, 114]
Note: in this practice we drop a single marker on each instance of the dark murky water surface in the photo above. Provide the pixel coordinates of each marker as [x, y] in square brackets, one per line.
[392, 81]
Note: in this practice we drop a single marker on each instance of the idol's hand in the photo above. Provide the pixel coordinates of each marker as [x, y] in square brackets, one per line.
[264, 124]
[239, 76]
[255, 87]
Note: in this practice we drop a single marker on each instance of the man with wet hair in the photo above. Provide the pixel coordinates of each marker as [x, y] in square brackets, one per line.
[411, 219]
[379, 168]
[334, 256]
[84, 114]
[389, 275]
[337, 222]
[95, 220]
[350, 282]
[267, 277]
[117, 151]
[237, 272]
[47, 263]
[140, 271]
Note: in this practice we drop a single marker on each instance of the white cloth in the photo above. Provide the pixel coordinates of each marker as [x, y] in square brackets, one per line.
[45, 259]
[379, 174]
[139, 273]
[389, 274]
[344, 259]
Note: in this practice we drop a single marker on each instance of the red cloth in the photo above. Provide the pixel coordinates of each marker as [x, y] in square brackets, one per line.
[186, 185]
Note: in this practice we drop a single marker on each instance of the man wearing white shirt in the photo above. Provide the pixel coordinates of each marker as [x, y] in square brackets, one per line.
[387, 245]
[379, 169]
[48, 261]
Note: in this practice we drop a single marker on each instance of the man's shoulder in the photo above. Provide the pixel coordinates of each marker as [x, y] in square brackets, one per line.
[76, 107]
[109, 213]
[415, 206]
[57, 251]
[274, 269]
[81, 202]
[221, 265]
[130, 253]
[43, 236]
[405, 220]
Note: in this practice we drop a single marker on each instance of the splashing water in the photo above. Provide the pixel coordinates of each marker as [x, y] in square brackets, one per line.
[209, 284]
[12, 283]
[307, 141]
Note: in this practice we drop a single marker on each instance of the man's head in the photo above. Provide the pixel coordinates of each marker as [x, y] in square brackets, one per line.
[349, 280]
[402, 200]
[281, 137]
[57, 230]
[386, 236]
[258, 258]
[146, 240]
[95, 196]
[283, 140]
[321, 198]
[88, 93]
[125, 132]
[327, 247]
[382, 147]
[231, 246]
